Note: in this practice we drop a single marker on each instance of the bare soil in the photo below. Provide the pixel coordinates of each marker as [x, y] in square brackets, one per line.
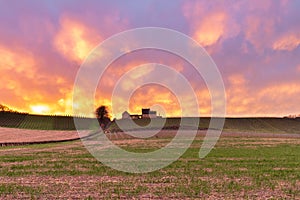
[12, 136]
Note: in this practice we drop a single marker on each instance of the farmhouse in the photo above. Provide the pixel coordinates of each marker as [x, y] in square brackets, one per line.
[146, 113]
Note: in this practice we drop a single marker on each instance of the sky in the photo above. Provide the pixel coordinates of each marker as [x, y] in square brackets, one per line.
[255, 45]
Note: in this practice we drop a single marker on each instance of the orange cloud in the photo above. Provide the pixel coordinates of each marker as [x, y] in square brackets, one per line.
[204, 101]
[74, 40]
[238, 95]
[17, 61]
[237, 80]
[281, 91]
[211, 29]
[25, 87]
[114, 73]
[208, 27]
[287, 42]
[145, 97]
[277, 99]
[15, 66]
[270, 100]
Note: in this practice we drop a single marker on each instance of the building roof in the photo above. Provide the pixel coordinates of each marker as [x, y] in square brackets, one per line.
[125, 112]
[145, 110]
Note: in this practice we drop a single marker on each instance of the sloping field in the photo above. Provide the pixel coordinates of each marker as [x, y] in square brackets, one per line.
[270, 125]
[42, 122]
[12, 136]
[254, 125]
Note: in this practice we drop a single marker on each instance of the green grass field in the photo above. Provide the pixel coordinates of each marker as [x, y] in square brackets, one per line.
[236, 168]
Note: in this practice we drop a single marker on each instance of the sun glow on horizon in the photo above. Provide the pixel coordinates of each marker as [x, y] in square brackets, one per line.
[40, 109]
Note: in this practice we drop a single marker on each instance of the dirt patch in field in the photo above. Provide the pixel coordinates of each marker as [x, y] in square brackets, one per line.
[54, 147]
[15, 136]
[12, 135]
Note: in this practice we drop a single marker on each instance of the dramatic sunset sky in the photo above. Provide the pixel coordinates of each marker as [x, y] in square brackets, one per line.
[255, 44]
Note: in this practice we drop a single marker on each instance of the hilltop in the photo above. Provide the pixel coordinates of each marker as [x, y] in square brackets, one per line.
[47, 122]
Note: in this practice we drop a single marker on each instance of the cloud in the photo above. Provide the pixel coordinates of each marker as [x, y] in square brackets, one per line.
[260, 23]
[145, 97]
[153, 83]
[270, 25]
[209, 26]
[259, 31]
[74, 40]
[285, 90]
[211, 29]
[287, 42]
[35, 75]
[26, 86]
[281, 98]
[238, 95]
[18, 61]
[268, 100]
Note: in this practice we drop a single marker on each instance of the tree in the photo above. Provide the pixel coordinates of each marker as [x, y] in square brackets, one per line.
[103, 117]
[4, 108]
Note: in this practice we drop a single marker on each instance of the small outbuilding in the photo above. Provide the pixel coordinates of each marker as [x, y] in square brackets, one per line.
[125, 115]
[146, 113]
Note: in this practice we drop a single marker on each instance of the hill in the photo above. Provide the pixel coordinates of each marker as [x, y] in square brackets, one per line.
[41, 122]
[44, 122]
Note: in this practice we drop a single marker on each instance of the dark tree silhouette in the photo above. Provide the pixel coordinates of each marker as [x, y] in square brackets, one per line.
[103, 117]
[101, 112]
[4, 108]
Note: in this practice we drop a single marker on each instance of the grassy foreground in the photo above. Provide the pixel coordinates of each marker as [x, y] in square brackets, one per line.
[236, 168]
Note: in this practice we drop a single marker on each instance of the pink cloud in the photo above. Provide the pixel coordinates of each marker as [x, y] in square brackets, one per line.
[259, 31]
[287, 42]
[269, 100]
[74, 40]
[207, 26]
